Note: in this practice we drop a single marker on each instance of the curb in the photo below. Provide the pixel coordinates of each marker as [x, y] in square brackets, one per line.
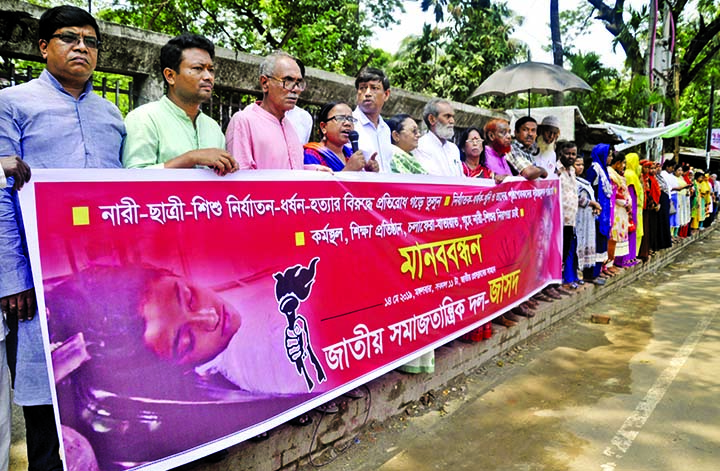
[290, 447]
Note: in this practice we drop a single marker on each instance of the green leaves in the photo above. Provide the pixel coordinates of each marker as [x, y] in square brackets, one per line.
[452, 59]
[326, 34]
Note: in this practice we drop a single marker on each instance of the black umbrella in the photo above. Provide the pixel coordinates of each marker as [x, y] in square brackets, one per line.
[531, 77]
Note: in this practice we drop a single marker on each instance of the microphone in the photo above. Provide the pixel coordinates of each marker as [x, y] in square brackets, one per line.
[354, 136]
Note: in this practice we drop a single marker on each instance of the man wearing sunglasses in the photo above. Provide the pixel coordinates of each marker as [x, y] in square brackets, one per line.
[173, 132]
[55, 121]
[260, 136]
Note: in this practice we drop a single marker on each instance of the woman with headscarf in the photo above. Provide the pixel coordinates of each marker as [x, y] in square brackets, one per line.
[663, 221]
[711, 183]
[674, 186]
[618, 242]
[706, 194]
[597, 175]
[650, 211]
[588, 209]
[701, 203]
[683, 203]
[690, 195]
[637, 199]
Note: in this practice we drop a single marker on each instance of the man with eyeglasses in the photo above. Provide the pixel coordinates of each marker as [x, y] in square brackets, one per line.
[173, 132]
[301, 120]
[260, 136]
[55, 121]
[373, 90]
[436, 151]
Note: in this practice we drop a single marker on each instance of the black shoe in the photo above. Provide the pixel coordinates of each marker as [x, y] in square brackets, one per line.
[301, 421]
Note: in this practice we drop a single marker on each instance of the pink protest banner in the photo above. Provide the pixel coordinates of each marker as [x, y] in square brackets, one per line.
[189, 313]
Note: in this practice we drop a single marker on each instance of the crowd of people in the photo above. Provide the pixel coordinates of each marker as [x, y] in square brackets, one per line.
[617, 210]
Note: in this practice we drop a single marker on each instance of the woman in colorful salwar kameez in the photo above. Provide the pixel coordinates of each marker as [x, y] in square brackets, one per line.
[636, 196]
[588, 209]
[618, 241]
[597, 175]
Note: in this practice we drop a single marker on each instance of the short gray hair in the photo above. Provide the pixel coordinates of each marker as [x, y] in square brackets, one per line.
[431, 108]
[267, 66]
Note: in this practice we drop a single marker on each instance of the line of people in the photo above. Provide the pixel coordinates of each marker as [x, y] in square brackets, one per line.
[57, 121]
[627, 210]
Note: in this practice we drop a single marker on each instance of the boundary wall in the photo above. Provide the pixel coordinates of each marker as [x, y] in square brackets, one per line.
[136, 52]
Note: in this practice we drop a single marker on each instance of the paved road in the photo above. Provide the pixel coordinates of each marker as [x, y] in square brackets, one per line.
[639, 394]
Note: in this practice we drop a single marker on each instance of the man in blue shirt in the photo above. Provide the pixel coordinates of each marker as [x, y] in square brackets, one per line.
[55, 121]
[14, 167]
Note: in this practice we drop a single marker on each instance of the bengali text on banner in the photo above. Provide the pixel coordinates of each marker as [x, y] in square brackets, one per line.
[185, 313]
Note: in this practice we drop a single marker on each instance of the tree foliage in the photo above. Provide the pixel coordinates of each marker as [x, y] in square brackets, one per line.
[625, 100]
[328, 34]
[701, 28]
[451, 59]
[616, 99]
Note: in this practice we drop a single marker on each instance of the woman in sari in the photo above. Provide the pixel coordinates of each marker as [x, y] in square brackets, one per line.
[597, 175]
[336, 121]
[404, 135]
[472, 154]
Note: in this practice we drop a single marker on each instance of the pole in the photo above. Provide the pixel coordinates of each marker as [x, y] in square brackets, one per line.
[708, 141]
[676, 111]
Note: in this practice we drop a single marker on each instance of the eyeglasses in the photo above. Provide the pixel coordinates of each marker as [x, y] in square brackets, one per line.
[475, 140]
[415, 131]
[69, 37]
[341, 118]
[290, 84]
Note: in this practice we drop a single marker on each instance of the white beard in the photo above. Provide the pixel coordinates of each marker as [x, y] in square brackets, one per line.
[444, 131]
[544, 146]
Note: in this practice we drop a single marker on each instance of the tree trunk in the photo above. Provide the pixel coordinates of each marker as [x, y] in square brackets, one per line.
[558, 98]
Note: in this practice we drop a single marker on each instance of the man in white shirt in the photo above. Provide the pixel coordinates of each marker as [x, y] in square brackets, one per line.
[14, 167]
[436, 151]
[548, 134]
[373, 90]
[302, 121]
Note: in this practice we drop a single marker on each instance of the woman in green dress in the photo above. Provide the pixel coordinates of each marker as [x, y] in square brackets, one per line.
[404, 133]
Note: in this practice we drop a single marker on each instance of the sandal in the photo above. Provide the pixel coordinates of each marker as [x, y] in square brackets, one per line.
[328, 408]
[261, 437]
[301, 420]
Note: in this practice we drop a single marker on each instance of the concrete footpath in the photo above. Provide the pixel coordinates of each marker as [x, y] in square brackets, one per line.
[290, 447]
